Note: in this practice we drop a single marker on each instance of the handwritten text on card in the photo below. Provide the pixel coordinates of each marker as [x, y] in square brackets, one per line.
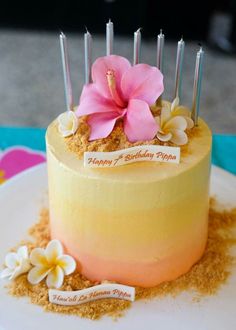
[142, 153]
[69, 298]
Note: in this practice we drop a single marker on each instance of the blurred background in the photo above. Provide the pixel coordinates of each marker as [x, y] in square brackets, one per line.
[31, 81]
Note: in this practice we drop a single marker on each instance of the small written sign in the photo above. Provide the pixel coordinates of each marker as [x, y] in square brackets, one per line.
[147, 153]
[69, 298]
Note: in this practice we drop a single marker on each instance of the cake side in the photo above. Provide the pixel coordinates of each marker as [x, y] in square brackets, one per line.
[138, 224]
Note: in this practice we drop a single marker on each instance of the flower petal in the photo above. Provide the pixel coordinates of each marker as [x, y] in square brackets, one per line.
[23, 268]
[64, 132]
[91, 101]
[181, 111]
[55, 278]
[179, 137]
[74, 121]
[68, 123]
[176, 122]
[37, 274]
[38, 257]
[102, 124]
[16, 272]
[158, 121]
[7, 272]
[22, 252]
[175, 103]
[189, 121]
[67, 263]
[142, 82]
[64, 118]
[12, 260]
[100, 67]
[53, 250]
[165, 104]
[164, 137]
[139, 123]
[25, 265]
[165, 115]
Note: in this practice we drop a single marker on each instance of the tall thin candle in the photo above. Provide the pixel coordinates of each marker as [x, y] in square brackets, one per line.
[66, 72]
[87, 56]
[109, 37]
[160, 50]
[197, 86]
[137, 46]
[179, 68]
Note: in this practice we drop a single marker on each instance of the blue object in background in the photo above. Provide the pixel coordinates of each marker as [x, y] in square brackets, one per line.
[33, 138]
[223, 150]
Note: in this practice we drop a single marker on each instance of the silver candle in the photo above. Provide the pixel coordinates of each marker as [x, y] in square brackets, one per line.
[109, 37]
[87, 56]
[66, 72]
[137, 46]
[179, 68]
[160, 50]
[197, 86]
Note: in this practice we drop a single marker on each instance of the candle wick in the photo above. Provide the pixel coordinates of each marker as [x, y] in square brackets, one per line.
[87, 31]
[139, 29]
[62, 34]
[109, 20]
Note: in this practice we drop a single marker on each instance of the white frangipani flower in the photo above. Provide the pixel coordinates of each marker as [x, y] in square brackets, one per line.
[173, 122]
[17, 263]
[179, 110]
[171, 128]
[50, 263]
[67, 123]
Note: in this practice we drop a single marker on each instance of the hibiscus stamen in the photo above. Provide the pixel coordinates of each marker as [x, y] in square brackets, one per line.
[111, 81]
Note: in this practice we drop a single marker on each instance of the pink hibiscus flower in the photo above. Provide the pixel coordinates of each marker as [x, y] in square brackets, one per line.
[120, 90]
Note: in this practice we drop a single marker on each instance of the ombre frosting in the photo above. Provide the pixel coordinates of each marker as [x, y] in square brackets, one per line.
[138, 224]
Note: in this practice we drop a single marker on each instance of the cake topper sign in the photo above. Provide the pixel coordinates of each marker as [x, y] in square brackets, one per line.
[150, 153]
[109, 290]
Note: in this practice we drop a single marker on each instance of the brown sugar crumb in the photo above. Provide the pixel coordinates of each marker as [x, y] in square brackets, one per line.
[38, 294]
[205, 278]
[117, 140]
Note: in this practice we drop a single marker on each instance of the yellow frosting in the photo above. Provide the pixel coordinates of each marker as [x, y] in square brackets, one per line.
[136, 224]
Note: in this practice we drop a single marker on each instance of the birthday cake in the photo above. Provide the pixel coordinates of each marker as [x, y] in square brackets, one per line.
[128, 177]
[129, 215]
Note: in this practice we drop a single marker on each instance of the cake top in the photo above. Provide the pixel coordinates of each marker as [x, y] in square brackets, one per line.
[197, 149]
[80, 142]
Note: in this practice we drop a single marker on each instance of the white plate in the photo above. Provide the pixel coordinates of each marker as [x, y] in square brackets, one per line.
[20, 201]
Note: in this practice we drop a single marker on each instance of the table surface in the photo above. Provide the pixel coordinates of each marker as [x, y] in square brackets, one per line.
[22, 148]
